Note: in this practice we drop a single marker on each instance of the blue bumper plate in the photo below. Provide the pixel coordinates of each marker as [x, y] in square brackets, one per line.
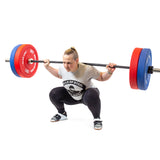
[143, 77]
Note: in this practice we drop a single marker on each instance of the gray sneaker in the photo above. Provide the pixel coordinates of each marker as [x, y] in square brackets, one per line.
[97, 124]
[59, 117]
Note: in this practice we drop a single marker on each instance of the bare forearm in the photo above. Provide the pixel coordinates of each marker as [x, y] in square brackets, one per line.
[53, 71]
[105, 75]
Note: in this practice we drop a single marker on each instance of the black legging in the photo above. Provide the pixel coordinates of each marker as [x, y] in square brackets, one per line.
[59, 96]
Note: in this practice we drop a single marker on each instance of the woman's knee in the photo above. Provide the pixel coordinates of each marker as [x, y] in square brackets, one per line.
[91, 95]
[56, 93]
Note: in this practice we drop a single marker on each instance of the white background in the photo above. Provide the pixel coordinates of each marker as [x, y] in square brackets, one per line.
[102, 31]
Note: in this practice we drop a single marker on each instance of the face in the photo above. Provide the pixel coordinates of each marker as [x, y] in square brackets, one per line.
[69, 63]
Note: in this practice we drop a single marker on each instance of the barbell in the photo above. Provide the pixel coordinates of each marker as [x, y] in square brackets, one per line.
[24, 63]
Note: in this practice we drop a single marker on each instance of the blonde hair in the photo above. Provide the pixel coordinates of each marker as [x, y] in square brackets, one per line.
[72, 51]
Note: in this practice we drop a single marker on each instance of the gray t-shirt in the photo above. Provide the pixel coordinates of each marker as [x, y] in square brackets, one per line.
[77, 82]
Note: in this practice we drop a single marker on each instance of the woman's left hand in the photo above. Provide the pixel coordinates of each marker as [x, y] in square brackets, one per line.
[110, 67]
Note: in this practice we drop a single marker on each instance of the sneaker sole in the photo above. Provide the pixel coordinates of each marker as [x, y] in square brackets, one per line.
[58, 120]
[97, 128]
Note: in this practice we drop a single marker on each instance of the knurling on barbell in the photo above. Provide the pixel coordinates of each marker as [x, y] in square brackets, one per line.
[24, 63]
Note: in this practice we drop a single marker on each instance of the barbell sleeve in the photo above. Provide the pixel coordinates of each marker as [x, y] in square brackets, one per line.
[156, 69]
[7, 60]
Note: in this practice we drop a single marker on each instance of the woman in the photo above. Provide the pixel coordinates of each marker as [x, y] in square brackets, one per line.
[77, 86]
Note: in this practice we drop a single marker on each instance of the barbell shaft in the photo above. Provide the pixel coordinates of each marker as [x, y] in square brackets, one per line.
[92, 64]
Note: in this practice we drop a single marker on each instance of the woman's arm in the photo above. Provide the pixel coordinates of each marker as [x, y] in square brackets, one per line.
[106, 75]
[52, 70]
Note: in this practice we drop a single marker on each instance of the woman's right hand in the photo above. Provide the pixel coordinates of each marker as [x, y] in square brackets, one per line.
[46, 63]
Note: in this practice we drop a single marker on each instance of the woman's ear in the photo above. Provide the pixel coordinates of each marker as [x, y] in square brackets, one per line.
[77, 60]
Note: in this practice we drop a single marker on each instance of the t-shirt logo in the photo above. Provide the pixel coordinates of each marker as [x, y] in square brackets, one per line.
[74, 88]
